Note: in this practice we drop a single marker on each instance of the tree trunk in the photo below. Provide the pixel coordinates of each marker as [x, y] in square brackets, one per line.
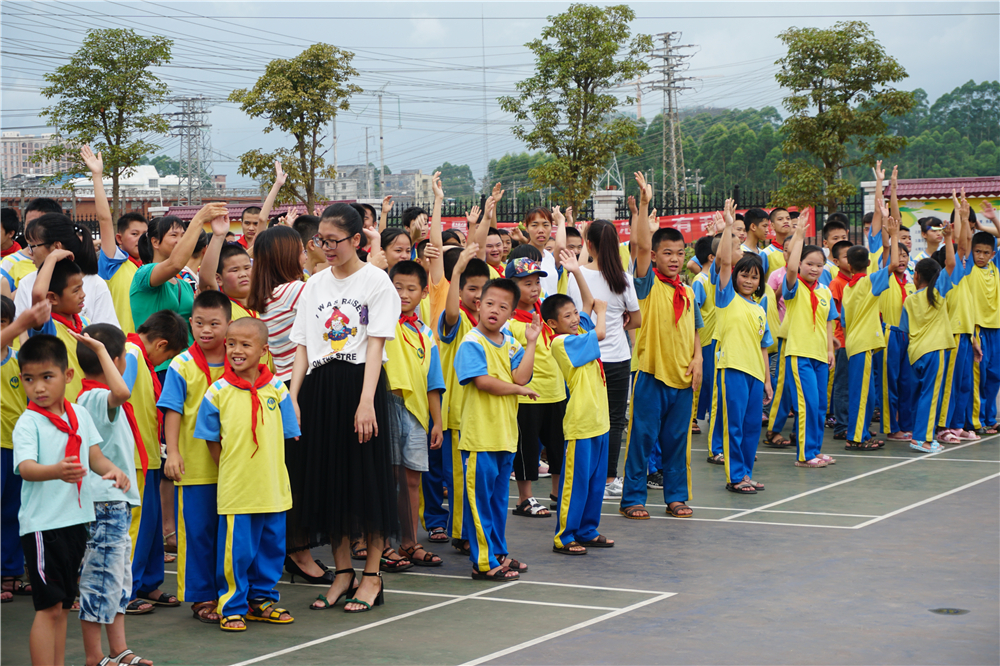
[115, 202]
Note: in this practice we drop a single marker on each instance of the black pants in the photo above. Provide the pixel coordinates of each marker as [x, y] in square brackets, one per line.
[617, 376]
[539, 424]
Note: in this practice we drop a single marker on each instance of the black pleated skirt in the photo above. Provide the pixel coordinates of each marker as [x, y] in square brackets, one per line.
[346, 487]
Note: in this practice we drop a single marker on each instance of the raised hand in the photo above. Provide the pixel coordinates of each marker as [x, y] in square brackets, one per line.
[882, 205]
[645, 189]
[497, 192]
[987, 210]
[729, 212]
[491, 206]
[37, 314]
[719, 223]
[386, 203]
[632, 208]
[892, 225]
[534, 329]
[946, 230]
[557, 216]
[654, 222]
[210, 212]
[472, 216]
[94, 162]
[467, 255]
[569, 216]
[963, 206]
[279, 175]
[879, 171]
[291, 216]
[893, 177]
[436, 185]
[568, 260]
[85, 338]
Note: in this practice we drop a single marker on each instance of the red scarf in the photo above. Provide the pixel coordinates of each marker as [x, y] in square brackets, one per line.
[472, 318]
[73, 440]
[548, 335]
[157, 386]
[681, 300]
[902, 285]
[14, 247]
[199, 360]
[777, 245]
[138, 263]
[813, 299]
[412, 321]
[856, 278]
[242, 240]
[75, 324]
[250, 313]
[263, 378]
[90, 385]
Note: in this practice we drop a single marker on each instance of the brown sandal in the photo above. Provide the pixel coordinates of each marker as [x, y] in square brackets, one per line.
[428, 560]
[203, 609]
[632, 512]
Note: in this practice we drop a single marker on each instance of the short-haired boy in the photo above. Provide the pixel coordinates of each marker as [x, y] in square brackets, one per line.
[984, 278]
[60, 282]
[704, 298]
[245, 418]
[55, 446]
[839, 397]
[415, 379]
[106, 576]
[781, 223]
[12, 404]
[189, 463]
[834, 232]
[587, 423]
[494, 369]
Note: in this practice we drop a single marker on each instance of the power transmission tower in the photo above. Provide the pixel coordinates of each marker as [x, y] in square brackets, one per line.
[673, 63]
[191, 125]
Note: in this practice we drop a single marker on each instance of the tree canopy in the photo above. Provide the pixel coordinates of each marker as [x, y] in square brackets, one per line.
[457, 180]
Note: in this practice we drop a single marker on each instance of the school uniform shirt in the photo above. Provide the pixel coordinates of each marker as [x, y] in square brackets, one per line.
[451, 401]
[252, 477]
[241, 311]
[664, 345]
[12, 398]
[494, 272]
[961, 303]
[614, 346]
[983, 285]
[742, 330]
[547, 381]
[146, 299]
[837, 291]
[859, 316]
[775, 254]
[15, 267]
[139, 379]
[117, 445]
[279, 316]
[769, 301]
[830, 271]
[625, 253]
[489, 422]
[414, 368]
[890, 301]
[184, 388]
[98, 307]
[805, 330]
[704, 298]
[579, 359]
[118, 274]
[928, 327]
[49, 505]
[550, 283]
[336, 317]
[53, 327]
[434, 304]
[760, 254]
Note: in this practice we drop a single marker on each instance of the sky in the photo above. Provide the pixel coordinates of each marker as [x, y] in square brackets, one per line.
[443, 64]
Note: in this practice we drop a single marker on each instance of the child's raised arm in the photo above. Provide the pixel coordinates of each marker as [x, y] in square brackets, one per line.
[452, 308]
[892, 224]
[643, 236]
[949, 247]
[172, 265]
[34, 317]
[990, 213]
[210, 263]
[724, 259]
[40, 289]
[279, 180]
[497, 195]
[104, 220]
[879, 197]
[383, 215]
[120, 392]
[560, 220]
[795, 255]
[570, 263]
[893, 200]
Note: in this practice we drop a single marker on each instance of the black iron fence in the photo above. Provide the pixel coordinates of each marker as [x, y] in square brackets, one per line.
[509, 210]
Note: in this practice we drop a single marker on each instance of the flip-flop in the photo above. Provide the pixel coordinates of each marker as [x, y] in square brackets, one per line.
[568, 549]
[165, 599]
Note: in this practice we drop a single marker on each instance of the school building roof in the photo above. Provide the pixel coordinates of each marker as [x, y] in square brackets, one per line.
[941, 188]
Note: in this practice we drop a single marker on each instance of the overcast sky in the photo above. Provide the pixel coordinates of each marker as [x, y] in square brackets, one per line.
[431, 58]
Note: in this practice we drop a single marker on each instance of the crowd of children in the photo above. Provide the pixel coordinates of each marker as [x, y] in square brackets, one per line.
[325, 379]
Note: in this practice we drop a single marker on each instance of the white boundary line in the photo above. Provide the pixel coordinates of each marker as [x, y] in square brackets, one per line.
[926, 501]
[567, 630]
[862, 455]
[720, 508]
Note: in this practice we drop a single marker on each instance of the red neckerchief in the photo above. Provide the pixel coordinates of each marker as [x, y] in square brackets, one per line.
[90, 385]
[14, 247]
[73, 440]
[157, 386]
[902, 285]
[548, 335]
[472, 318]
[681, 300]
[202, 362]
[813, 299]
[242, 240]
[75, 324]
[779, 246]
[250, 313]
[412, 321]
[856, 278]
[138, 263]
[263, 378]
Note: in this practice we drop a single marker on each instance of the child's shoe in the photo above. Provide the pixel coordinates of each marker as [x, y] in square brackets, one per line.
[968, 436]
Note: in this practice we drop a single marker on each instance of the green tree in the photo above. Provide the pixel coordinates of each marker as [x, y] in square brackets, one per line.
[106, 96]
[568, 107]
[457, 180]
[299, 96]
[165, 166]
[839, 98]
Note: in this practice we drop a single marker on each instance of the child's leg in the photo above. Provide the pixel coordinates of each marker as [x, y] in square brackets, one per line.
[410, 484]
[715, 425]
[876, 394]
[809, 376]
[733, 407]
[169, 520]
[551, 436]
[841, 397]
[433, 514]
[47, 640]
[454, 477]
[961, 386]
[945, 406]
[890, 381]
[529, 426]
[859, 380]
[269, 557]
[500, 498]
[105, 577]
[643, 430]
[617, 375]
[928, 369]
[572, 492]
[197, 542]
[11, 555]
[480, 478]
[675, 443]
[707, 371]
[751, 424]
[236, 552]
[778, 414]
[989, 369]
[590, 517]
[906, 389]
[147, 552]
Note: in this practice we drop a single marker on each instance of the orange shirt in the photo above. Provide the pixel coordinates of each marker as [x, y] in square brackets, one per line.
[837, 285]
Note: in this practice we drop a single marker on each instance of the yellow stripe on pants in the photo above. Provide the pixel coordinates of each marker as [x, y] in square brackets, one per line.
[567, 490]
[227, 564]
[934, 395]
[456, 503]
[483, 563]
[724, 410]
[800, 401]
[779, 390]
[861, 428]
[181, 544]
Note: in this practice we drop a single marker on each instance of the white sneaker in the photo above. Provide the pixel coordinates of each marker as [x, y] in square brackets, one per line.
[619, 483]
[612, 491]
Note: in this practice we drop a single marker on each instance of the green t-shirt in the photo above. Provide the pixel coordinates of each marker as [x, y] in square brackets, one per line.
[146, 299]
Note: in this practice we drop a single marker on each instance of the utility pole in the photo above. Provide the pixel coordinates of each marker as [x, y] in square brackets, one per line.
[368, 172]
[670, 85]
[486, 133]
[335, 146]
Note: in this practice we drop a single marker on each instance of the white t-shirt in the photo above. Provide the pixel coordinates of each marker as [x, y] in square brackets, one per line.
[550, 283]
[98, 306]
[335, 317]
[614, 346]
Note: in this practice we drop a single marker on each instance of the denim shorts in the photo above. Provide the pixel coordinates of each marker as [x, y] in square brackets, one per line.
[409, 438]
[106, 576]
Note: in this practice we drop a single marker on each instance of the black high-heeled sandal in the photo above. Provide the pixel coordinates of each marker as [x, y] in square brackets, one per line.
[351, 590]
[294, 570]
[379, 598]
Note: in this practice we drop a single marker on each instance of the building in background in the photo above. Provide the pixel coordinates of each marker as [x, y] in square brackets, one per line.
[16, 151]
[353, 181]
[409, 187]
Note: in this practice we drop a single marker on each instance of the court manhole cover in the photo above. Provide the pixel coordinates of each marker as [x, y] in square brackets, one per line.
[949, 611]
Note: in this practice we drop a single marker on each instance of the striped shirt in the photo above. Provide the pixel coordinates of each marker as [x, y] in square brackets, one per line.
[279, 317]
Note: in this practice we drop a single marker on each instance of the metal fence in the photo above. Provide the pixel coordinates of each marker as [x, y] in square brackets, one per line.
[509, 210]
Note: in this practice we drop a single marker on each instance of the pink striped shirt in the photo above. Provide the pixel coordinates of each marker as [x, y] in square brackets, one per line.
[279, 317]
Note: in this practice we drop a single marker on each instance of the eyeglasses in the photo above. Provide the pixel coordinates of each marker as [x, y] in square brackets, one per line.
[31, 248]
[326, 244]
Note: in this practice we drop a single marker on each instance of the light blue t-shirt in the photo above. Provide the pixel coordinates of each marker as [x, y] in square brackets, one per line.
[50, 505]
[118, 446]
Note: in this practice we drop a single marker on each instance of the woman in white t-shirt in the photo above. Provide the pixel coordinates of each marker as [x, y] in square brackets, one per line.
[609, 282]
[345, 314]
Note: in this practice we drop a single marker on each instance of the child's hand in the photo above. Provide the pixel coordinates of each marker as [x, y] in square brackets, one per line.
[468, 254]
[437, 437]
[946, 230]
[557, 216]
[37, 315]
[879, 171]
[569, 216]
[569, 261]
[290, 217]
[963, 206]
[497, 192]
[600, 307]
[386, 204]
[533, 330]
[85, 338]
[768, 392]
[364, 421]
[70, 470]
[645, 190]
[120, 479]
[977, 352]
[472, 216]
[210, 212]
[431, 252]
[987, 210]
[58, 255]
[632, 208]
[892, 224]
[436, 185]
[94, 162]
[524, 390]
[491, 208]
[694, 371]
[883, 207]
[831, 358]
[892, 178]
[729, 212]
[279, 175]
[718, 223]
[174, 467]
[220, 225]
[654, 222]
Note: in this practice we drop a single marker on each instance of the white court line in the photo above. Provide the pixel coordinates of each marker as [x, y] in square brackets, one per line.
[926, 501]
[820, 513]
[720, 508]
[567, 630]
[751, 522]
[543, 603]
[539, 582]
[861, 455]
[320, 641]
[842, 482]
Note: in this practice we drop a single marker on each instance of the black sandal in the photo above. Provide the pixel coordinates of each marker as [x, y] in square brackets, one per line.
[568, 549]
[867, 445]
[352, 588]
[462, 546]
[390, 565]
[500, 575]
[600, 541]
[356, 549]
[512, 564]
[741, 488]
[774, 440]
[379, 598]
[428, 560]
[717, 459]
[530, 508]
[135, 607]
[438, 535]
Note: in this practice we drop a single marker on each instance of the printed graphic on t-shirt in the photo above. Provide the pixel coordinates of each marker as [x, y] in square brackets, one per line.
[342, 318]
